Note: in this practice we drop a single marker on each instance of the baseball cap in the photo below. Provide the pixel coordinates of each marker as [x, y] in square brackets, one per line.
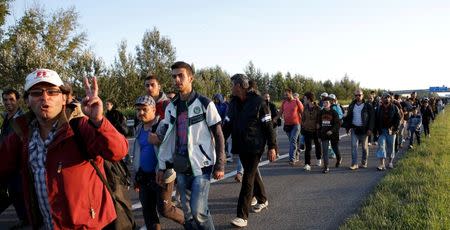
[145, 100]
[42, 75]
[324, 94]
[332, 96]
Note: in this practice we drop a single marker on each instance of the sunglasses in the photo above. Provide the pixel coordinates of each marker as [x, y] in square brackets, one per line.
[40, 92]
[358, 95]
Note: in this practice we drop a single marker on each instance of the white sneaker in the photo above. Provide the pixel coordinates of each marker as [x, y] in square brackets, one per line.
[307, 167]
[169, 176]
[254, 201]
[391, 165]
[239, 222]
[319, 162]
[259, 207]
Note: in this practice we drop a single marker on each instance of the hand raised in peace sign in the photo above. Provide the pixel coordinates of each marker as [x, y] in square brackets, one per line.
[92, 105]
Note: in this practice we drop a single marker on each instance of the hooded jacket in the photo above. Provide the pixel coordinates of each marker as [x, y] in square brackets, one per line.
[222, 107]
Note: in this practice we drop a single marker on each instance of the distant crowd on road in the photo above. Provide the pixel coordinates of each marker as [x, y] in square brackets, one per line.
[56, 156]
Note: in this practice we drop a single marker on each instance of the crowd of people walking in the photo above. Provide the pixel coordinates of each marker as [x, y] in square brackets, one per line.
[181, 144]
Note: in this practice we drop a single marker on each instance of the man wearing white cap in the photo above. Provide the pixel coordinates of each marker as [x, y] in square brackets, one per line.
[61, 187]
[322, 98]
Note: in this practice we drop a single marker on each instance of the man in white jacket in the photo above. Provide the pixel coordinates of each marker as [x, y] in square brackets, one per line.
[194, 145]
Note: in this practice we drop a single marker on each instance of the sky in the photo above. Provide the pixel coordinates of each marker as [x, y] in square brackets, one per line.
[383, 44]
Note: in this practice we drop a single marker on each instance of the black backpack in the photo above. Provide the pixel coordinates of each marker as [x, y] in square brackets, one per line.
[117, 181]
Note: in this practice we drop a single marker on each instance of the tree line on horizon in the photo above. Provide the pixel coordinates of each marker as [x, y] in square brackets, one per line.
[54, 41]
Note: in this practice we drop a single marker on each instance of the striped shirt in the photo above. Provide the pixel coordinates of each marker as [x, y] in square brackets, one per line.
[37, 149]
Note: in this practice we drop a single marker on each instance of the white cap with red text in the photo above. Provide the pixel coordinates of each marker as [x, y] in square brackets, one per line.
[42, 75]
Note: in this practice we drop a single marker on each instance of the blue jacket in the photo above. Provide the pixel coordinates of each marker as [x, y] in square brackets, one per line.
[222, 107]
[414, 122]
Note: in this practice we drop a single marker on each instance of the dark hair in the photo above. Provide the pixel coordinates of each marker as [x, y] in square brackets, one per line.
[241, 79]
[184, 65]
[112, 102]
[151, 77]
[309, 96]
[288, 90]
[11, 91]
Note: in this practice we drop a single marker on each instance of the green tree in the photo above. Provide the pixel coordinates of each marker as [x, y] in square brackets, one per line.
[4, 11]
[40, 40]
[277, 86]
[255, 74]
[155, 55]
[122, 83]
[212, 80]
[83, 64]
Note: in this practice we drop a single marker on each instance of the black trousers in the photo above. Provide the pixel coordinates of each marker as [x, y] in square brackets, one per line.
[252, 184]
[309, 137]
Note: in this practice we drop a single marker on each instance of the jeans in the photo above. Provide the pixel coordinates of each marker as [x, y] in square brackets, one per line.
[309, 137]
[356, 139]
[194, 192]
[293, 142]
[385, 145]
[411, 136]
[252, 184]
[239, 167]
[335, 147]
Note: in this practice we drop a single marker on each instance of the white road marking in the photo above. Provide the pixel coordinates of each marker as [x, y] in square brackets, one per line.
[138, 205]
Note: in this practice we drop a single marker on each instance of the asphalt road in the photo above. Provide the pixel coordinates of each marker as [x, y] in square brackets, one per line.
[297, 199]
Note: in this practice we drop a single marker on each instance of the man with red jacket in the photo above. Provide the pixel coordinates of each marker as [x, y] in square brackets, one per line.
[61, 188]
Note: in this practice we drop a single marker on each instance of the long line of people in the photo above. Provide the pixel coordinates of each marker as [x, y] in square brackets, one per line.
[183, 137]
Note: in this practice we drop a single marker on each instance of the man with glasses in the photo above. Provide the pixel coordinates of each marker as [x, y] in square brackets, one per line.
[61, 188]
[360, 121]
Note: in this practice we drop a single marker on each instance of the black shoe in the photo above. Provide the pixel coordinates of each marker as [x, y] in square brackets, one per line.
[381, 168]
[326, 170]
[302, 147]
[338, 163]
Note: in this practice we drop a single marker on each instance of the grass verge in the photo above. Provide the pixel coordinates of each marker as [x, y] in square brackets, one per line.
[416, 194]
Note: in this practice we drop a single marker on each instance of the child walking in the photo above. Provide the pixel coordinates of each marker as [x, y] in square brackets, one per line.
[414, 126]
[329, 132]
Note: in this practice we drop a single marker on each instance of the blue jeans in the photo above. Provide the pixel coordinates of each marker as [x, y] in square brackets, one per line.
[293, 142]
[194, 192]
[356, 139]
[239, 168]
[385, 145]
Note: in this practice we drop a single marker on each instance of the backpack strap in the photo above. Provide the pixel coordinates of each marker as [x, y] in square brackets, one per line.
[74, 123]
